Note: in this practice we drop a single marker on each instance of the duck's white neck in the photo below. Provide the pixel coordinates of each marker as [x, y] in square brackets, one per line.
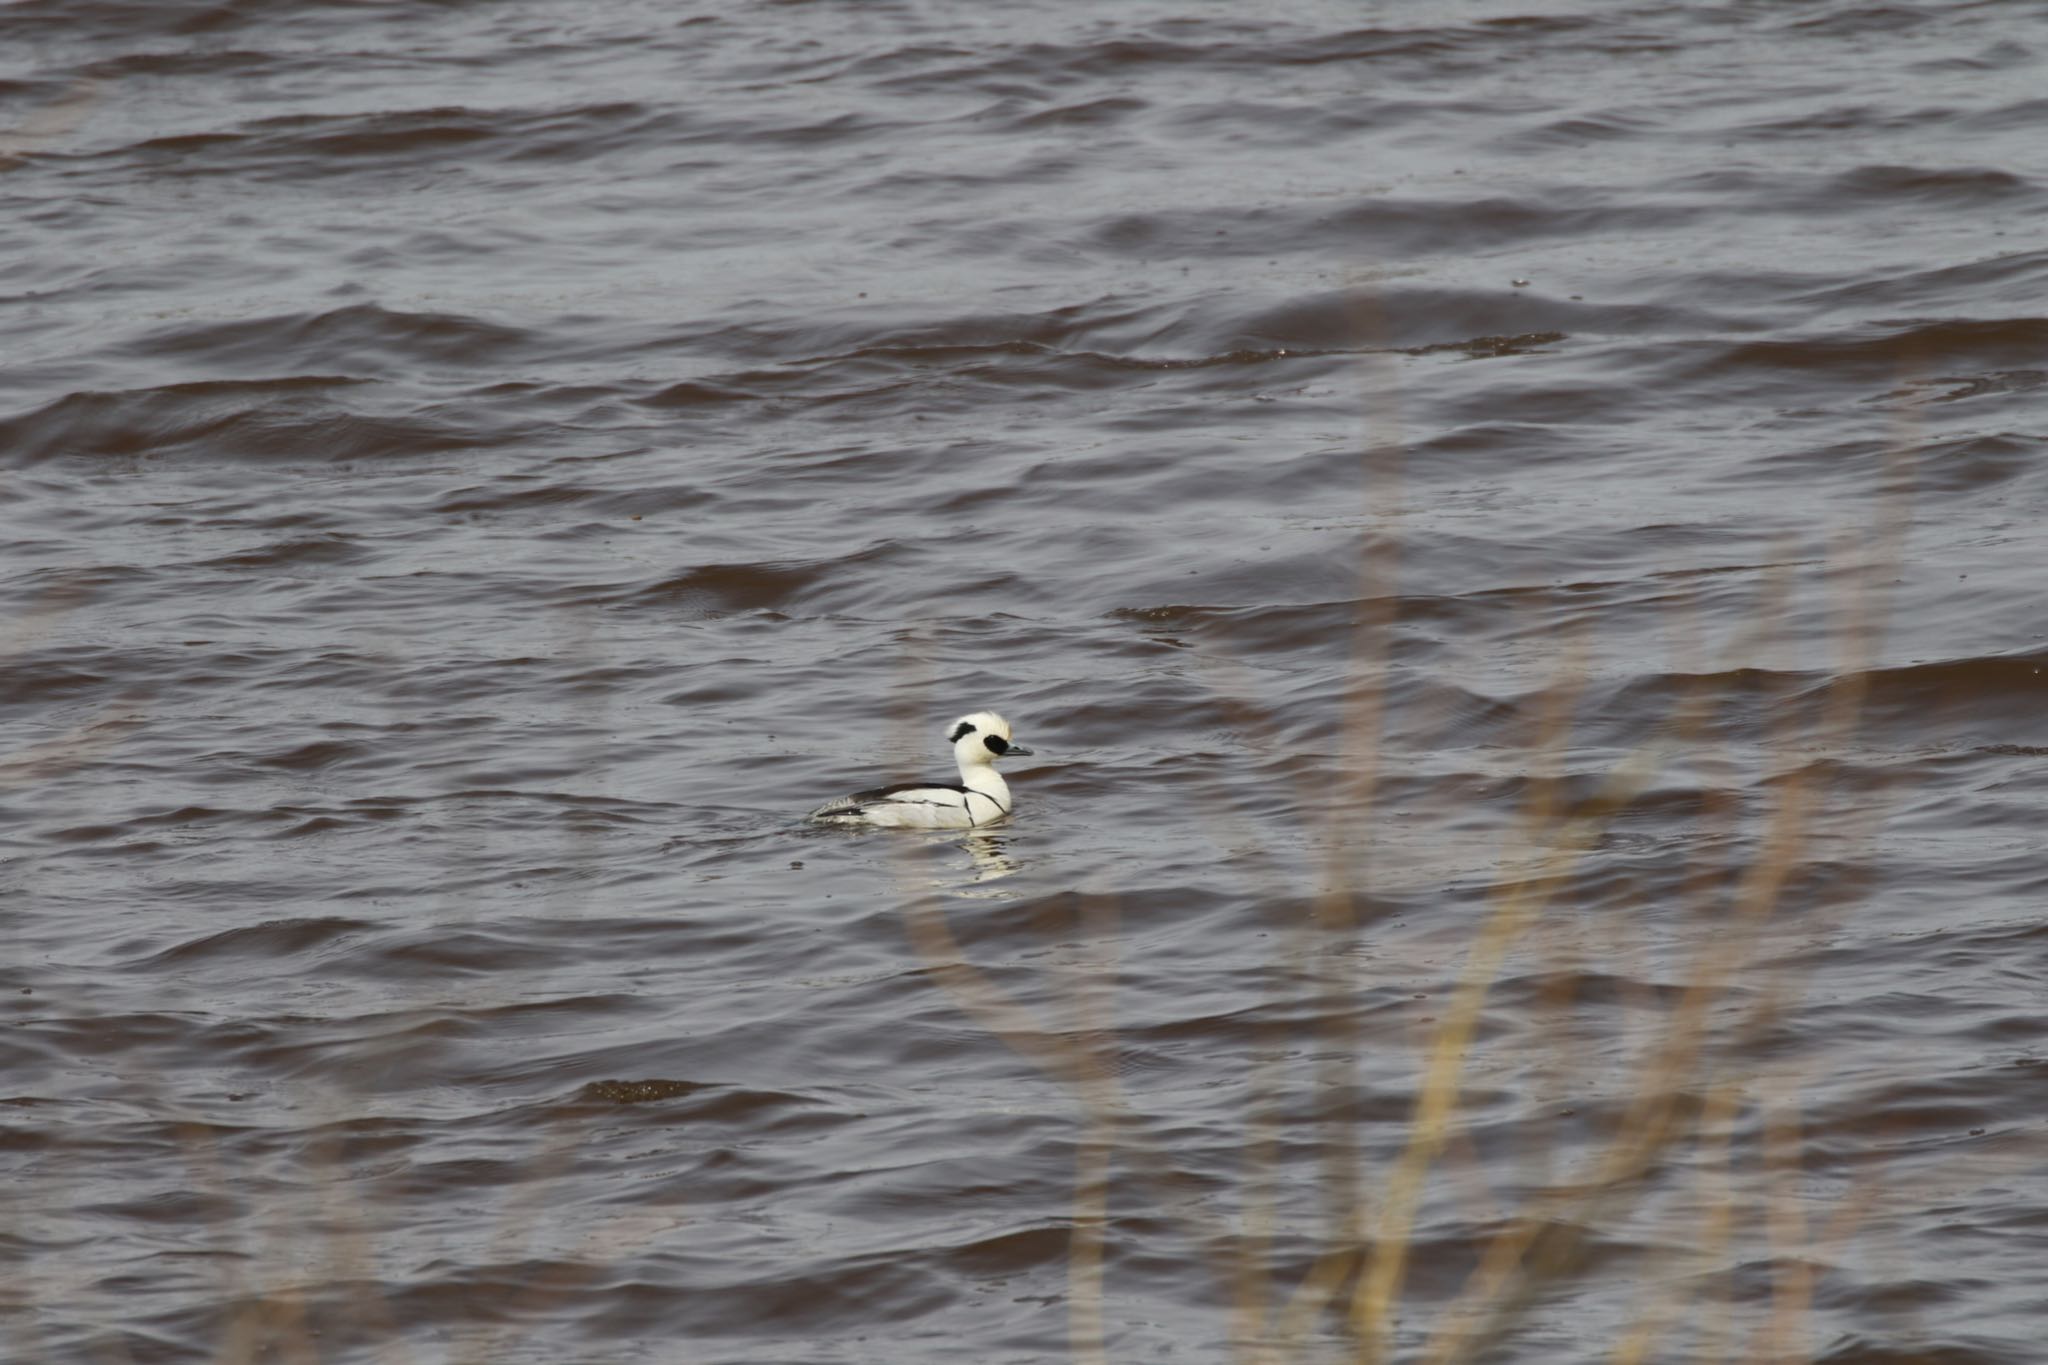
[978, 774]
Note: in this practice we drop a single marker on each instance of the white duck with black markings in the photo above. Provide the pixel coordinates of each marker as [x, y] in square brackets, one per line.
[980, 797]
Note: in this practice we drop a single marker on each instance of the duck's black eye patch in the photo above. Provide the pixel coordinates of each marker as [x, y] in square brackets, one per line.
[960, 731]
[996, 743]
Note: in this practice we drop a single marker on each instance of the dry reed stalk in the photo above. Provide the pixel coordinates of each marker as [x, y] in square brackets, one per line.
[1648, 1129]
[1093, 1031]
[527, 1208]
[1330, 975]
[1712, 1131]
[1076, 1059]
[1544, 1246]
[1520, 902]
[1077, 1056]
[351, 1261]
[1781, 1338]
[1651, 1126]
[1260, 1334]
[1658, 1314]
[275, 1327]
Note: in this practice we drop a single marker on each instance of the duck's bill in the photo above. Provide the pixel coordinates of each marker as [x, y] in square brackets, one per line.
[1016, 751]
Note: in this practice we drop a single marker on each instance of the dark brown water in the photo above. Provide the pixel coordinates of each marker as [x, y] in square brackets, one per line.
[1514, 532]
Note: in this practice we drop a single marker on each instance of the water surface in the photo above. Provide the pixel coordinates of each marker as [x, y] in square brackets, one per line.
[1543, 499]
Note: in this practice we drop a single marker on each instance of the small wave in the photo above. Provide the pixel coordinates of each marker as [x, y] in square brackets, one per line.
[1872, 355]
[270, 941]
[360, 340]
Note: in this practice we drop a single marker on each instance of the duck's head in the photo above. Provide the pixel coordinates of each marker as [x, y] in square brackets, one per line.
[982, 737]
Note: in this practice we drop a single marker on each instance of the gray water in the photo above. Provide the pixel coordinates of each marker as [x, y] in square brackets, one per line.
[1542, 499]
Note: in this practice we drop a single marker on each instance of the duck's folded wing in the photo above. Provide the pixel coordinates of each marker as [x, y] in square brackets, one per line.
[903, 793]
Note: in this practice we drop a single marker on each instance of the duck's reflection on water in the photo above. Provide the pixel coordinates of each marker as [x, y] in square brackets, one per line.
[988, 860]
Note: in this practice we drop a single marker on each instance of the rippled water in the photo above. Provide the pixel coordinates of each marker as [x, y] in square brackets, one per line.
[1515, 536]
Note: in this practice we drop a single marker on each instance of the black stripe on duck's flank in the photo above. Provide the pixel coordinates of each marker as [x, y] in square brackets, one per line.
[960, 731]
[996, 744]
[891, 793]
